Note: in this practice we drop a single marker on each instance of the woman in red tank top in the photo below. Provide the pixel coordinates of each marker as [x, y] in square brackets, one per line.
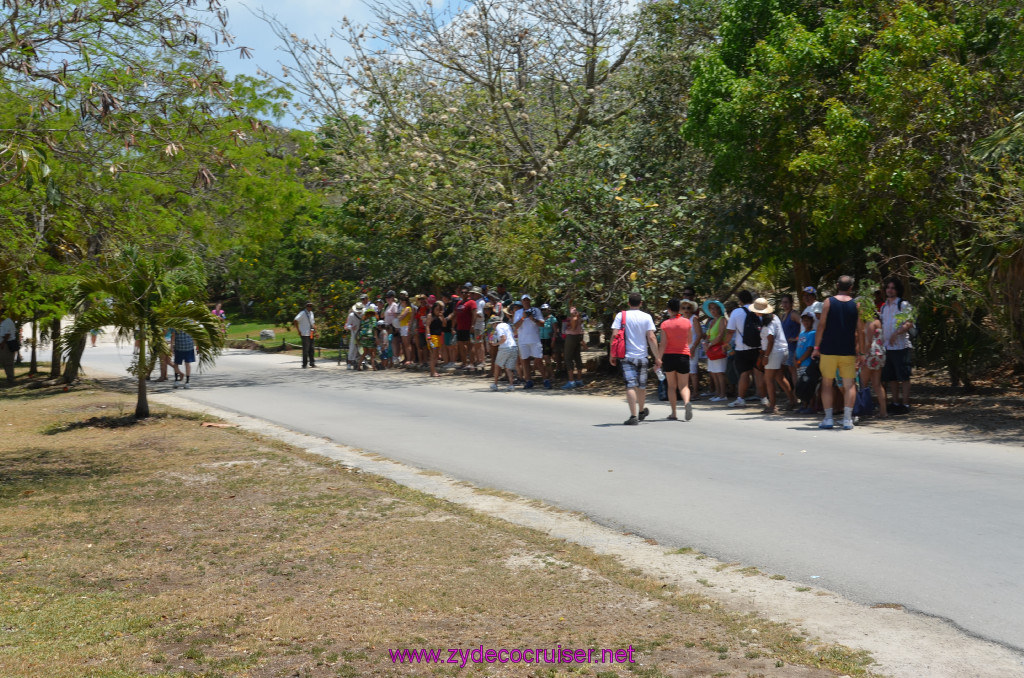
[675, 358]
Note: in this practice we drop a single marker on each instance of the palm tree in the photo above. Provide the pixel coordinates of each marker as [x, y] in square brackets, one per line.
[141, 295]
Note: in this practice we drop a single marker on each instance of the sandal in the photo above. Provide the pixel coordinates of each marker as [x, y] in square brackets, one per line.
[672, 417]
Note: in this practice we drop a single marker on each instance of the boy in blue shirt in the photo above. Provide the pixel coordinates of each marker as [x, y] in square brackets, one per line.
[804, 347]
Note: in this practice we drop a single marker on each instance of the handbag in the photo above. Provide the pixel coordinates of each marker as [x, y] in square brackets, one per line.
[863, 406]
[716, 351]
[13, 345]
[618, 350]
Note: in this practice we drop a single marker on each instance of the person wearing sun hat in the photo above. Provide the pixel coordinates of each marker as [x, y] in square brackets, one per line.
[774, 351]
[355, 317]
[716, 347]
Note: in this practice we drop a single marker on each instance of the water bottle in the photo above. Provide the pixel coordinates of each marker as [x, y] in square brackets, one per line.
[660, 374]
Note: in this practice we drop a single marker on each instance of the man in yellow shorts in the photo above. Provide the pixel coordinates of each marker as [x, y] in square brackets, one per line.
[839, 345]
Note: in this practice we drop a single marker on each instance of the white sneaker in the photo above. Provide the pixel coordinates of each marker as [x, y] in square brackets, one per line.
[494, 387]
[826, 423]
[739, 402]
[510, 387]
[764, 402]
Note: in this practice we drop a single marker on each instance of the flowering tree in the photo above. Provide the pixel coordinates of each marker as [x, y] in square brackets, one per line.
[449, 119]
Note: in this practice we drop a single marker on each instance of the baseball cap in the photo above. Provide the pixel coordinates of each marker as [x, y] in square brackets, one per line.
[544, 306]
[810, 290]
[809, 312]
[389, 294]
[525, 297]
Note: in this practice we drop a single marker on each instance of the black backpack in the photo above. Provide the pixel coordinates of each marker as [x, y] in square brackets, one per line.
[751, 329]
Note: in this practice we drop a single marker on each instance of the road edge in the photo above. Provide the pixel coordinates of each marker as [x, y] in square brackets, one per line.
[904, 644]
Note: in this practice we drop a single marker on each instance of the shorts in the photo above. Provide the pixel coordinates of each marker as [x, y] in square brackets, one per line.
[403, 330]
[462, 335]
[434, 341]
[745, 360]
[717, 366]
[422, 341]
[675, 362]
[694, 364]
[531, 351]
[846, 364]
[545, 347]
[634, 371]
[449, 338]
[506, 358]
[188, 356]
[776, 360]
[897, 365]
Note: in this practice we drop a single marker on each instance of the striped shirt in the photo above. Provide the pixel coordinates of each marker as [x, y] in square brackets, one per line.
[889, 324]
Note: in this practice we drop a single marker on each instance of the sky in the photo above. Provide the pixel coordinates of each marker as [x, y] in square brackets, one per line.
[306, 18]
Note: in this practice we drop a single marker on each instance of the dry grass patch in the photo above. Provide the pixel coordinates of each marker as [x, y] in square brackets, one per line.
[168, 548]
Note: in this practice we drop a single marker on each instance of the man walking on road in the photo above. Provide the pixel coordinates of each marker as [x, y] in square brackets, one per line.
[839, 344]
[639, 329]
[306, 326]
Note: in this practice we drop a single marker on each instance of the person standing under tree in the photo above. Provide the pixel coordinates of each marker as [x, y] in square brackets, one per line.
[306, 326]
[839, 343]
[8, 341]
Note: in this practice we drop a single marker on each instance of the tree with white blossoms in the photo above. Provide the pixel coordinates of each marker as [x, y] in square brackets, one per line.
[454, 119]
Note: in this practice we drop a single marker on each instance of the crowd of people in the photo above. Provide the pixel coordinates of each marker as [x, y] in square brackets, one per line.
[750, 349]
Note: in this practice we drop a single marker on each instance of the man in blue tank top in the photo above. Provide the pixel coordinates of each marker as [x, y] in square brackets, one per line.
[839, 345]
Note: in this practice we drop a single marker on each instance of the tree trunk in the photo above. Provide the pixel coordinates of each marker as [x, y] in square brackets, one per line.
[71, 369]
[55, 350]
[142, 404]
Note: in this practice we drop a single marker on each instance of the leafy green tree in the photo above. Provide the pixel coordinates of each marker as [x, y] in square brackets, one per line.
[142, 295]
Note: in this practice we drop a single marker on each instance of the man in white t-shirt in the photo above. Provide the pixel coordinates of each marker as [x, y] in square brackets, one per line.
[744, 356]
[639, 331]
[306, 325]
[527, 322]
[507, 355]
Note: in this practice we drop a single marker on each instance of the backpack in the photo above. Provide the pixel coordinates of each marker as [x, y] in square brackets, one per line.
[751, 329]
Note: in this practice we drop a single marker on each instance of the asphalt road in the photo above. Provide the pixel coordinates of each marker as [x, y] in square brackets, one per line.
[935, 525]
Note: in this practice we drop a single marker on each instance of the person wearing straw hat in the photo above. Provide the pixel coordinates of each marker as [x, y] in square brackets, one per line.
[716, 347]
[774, 351]
[839, 344]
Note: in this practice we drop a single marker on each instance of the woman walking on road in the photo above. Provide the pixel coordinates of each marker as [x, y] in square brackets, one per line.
[675, 358]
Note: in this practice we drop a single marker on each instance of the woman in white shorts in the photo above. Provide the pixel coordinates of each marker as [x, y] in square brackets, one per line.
[774, 351]
[716, 344]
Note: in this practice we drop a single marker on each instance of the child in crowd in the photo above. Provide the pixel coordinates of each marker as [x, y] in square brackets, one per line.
[368, 337]
[804, 348]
